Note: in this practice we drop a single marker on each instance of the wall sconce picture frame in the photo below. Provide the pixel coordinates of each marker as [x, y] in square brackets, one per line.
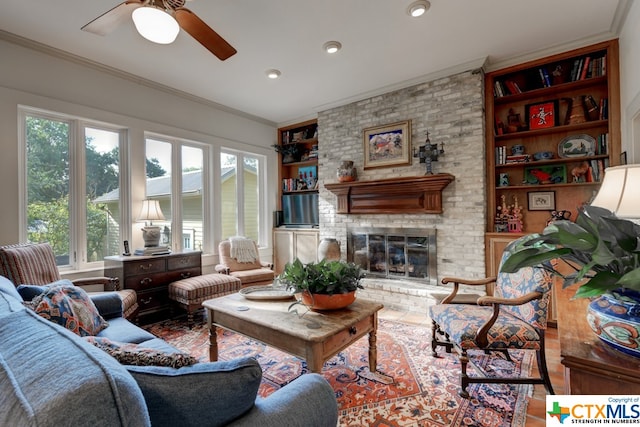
[542, 115]
[388, 145]
[541, 200]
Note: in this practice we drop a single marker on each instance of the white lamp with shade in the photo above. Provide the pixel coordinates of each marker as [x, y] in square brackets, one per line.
[620, 191]
[151, 212]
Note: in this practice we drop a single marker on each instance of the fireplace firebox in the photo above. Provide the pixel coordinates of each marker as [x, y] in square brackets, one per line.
[394, 253]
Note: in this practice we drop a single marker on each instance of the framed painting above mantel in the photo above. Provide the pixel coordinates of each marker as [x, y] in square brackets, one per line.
[388, 145]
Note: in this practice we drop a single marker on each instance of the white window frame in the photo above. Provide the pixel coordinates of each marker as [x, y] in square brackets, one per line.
[176, 188]
[77, 181]
[263, 220]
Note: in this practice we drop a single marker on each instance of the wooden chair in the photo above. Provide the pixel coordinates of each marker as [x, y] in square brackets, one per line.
[251, 272]
[35, 264]
[515, 317]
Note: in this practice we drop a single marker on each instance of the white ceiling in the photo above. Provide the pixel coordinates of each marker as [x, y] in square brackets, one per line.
[383, 48]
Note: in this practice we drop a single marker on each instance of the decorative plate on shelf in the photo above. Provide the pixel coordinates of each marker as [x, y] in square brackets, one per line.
[577, 146]
[265, 293]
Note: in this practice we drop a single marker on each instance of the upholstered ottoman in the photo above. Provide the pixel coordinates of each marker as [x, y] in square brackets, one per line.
[190, 293]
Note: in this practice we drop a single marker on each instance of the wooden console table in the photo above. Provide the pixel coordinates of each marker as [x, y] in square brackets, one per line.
[590, 366]
[150, 276]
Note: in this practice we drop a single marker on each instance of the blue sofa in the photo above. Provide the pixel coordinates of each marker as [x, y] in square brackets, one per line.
[50, 376]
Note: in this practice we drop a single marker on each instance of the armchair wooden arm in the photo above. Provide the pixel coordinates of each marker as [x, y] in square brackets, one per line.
[223, 269]
[108, 283]
[479, 282]
[456, 286]
[482, 338]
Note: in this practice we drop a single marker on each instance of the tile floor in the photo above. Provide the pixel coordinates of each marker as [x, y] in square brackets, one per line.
[536, 408]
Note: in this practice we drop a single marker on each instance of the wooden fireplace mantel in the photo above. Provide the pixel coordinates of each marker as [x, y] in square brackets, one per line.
[414, 194]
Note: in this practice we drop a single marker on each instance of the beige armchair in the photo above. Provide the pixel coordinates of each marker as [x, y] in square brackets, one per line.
[245, 263]
[35, 264]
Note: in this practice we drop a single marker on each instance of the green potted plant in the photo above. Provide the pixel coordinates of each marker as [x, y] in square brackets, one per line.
[601, 252]
[289, 152]
[323, 285]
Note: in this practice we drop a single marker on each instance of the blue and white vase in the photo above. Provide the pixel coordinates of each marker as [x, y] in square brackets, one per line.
[615, 318]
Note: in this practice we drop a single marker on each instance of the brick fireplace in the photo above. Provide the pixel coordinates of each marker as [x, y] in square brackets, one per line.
[451, 109]
[394, 253]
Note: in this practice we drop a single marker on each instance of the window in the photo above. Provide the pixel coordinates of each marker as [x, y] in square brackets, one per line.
[72, 176]
[74, 198]
[192, 204]
[241, 195]
[183, 210]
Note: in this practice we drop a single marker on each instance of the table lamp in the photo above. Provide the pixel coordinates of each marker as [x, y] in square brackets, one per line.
[620, 191]
[150, 212]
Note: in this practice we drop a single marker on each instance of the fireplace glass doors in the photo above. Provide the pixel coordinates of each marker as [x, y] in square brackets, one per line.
[394, 253]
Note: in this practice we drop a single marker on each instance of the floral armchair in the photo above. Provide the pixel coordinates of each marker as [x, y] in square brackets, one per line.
[35, 264]
[515, 317]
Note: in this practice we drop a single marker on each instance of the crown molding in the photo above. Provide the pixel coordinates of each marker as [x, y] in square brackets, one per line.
[472, 65]
[66, 56]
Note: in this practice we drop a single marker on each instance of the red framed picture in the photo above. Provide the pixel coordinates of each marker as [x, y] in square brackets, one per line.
[542, 115]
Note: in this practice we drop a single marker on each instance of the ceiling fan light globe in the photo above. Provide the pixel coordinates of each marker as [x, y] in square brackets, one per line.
[155, 25]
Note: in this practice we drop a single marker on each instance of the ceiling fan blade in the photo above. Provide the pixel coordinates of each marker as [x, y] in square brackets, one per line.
[108, 21]
[204, 34]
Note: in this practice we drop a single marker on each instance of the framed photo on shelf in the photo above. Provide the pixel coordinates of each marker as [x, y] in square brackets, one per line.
[542, 115]
[388, 145]
[541, 200]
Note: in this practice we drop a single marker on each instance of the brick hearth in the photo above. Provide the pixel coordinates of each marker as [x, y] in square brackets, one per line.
[404, 295]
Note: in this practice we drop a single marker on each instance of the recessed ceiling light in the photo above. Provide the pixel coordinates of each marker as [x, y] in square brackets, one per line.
[418, 8]
[332, 46]
[273, 74]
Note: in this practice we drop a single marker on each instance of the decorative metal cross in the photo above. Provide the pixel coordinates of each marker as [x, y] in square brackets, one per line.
[429, 153]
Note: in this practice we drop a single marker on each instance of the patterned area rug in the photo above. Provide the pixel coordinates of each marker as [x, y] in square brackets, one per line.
[422, 390]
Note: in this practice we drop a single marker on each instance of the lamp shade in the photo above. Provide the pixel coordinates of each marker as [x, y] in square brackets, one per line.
[150, 211]
[156, 25]
[620, 191]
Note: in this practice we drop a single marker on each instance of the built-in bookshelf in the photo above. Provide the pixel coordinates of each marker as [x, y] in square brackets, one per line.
[552, 128]
[298, 170]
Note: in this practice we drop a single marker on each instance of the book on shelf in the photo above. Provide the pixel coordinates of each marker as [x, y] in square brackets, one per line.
[498, 90]
[577, 69]
[585, 68]
[501, 155]
[597, 170]
[154, 250]
[518, 158]
[513, 87]
[602, 146]
[604, 109]
[588, 67]
[544, 77]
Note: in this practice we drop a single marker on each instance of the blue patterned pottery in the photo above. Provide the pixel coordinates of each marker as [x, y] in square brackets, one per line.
[615, 318]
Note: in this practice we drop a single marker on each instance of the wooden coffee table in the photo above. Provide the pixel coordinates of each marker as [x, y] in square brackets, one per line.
[314, 336]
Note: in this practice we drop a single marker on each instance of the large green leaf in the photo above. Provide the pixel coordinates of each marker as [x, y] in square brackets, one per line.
[530, 257]
[631, 279]
[602, 282]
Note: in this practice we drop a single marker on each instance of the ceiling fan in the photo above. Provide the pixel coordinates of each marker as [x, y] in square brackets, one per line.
[171, 9]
